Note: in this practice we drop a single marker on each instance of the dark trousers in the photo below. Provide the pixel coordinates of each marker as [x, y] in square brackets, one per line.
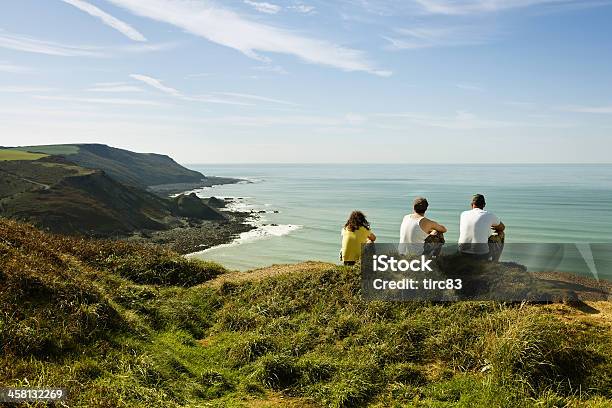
[496, 247]
[433, 245]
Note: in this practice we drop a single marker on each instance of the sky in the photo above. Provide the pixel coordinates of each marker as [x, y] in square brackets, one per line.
[312, 81]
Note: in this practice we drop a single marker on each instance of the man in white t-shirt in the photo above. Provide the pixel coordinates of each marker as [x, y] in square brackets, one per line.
[481, 233]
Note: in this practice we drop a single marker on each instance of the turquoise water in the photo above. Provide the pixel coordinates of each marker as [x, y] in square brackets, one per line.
[538, 203]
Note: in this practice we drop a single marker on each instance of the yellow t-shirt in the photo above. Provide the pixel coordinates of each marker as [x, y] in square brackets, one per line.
[352, 241]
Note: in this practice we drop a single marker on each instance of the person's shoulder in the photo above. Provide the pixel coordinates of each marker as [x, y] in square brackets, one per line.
[493, 216]
[425, 220]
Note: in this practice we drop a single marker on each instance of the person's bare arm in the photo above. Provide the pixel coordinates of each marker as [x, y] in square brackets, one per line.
[499, 227]
[439, 228]
[372, 237]
[431, 226]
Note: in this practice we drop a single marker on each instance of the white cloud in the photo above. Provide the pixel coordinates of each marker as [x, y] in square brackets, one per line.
[114, 87]
[302, 8]
[229, 29]
[198, 75]
[263, 7]
[462, 120]
[465, 7]
[355, 119]
[228, 98]
[429, 37]
[256, 98]
[271, 68]
[588, 109]
[29, 44]
[308, 121]
[106, 101]
[34, 45]
[107, 19]
[157, 84]
[470, 87]
[24, 89]
[13, 69]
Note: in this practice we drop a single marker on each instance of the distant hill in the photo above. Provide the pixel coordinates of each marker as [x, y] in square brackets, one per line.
[136, 169]
[58, 195]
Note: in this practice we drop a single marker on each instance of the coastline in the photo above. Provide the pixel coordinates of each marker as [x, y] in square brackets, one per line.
[178, 188]
[196, 235]
[199, 235]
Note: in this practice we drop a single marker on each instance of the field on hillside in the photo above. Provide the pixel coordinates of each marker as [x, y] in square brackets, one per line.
[53, 149]
[123, 325]
[10, 155]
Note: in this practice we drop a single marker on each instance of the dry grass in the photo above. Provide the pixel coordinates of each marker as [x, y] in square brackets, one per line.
[126, 325]
[12, 155]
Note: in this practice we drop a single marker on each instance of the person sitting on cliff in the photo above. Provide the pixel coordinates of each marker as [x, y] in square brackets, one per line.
[481, 233]
[418, 234]
[355, 233]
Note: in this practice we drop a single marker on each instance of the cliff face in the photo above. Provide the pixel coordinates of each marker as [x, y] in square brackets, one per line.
[192, 206]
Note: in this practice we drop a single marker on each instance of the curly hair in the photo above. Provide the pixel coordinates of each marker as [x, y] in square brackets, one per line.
[356, 220]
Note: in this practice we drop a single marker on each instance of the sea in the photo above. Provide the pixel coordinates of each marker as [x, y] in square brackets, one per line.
[301, 208]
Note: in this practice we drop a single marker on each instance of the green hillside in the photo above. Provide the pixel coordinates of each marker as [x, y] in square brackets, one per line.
[60, 196]
[138, 169]
[54, 150]
[124, 325]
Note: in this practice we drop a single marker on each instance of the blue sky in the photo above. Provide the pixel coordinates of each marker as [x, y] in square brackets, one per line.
[414, 81]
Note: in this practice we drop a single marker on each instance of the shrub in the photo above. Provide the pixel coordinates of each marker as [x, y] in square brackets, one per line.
[277, 371]
[249, 348]
[214, 384]
[237, 320]
[405, 373]
[315, 368]
[540, 353]
[164, 269]
[354, 387]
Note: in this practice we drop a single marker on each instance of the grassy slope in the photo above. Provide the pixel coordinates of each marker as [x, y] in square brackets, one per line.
[62, 197]
[85, 314]
[10, 154]
[62, 149]
[138, 169]
[57, 195]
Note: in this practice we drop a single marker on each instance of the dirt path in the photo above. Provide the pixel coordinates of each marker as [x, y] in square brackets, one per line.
[43, 186]
[267, 272]
[276, 400]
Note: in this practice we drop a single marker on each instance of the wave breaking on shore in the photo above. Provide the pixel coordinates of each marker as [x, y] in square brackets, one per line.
[262, 228]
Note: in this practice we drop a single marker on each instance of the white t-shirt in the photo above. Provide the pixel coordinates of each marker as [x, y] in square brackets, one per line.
[475, 230]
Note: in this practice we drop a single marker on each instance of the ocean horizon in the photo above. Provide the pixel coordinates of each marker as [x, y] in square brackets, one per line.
[302, 207]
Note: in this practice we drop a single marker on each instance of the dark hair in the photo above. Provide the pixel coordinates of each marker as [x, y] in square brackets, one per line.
[420, 205]
[356, 220]
[478, 200]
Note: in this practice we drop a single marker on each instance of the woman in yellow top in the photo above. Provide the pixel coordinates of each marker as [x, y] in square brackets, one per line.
[356, 232]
